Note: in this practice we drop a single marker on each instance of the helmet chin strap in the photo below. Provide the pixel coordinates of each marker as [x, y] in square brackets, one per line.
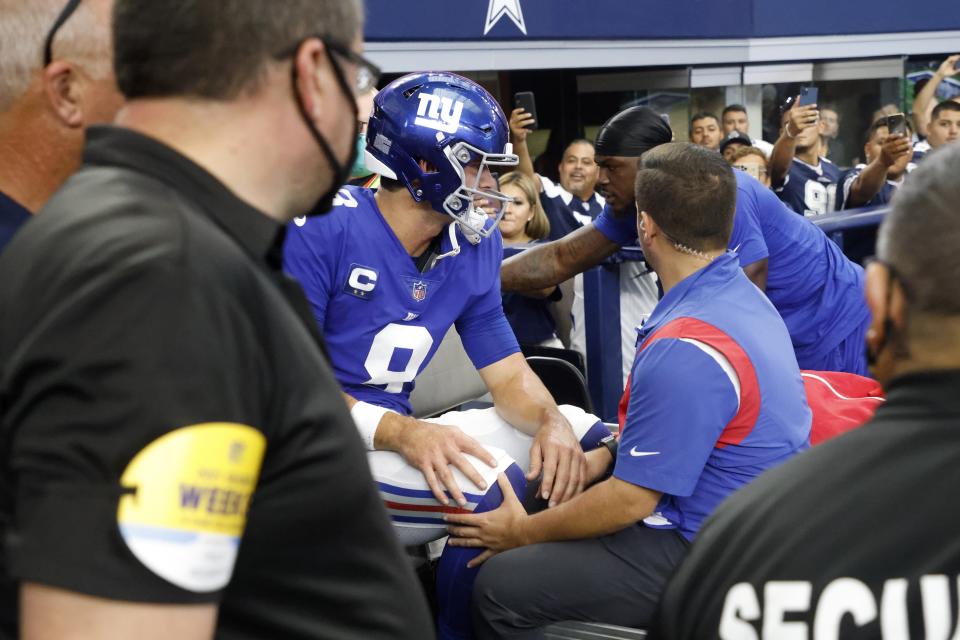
[454, 244]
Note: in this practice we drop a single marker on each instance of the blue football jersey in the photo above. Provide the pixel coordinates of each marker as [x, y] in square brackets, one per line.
[565, 211]
[382, 318]
[920, 151]
[883, 197]
[810, 190]
[816, 289]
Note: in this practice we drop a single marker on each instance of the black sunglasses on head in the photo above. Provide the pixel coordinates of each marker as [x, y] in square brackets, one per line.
[68, 10]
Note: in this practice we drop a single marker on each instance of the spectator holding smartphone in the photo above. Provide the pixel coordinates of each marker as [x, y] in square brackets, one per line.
[568, 206]
[573, 202]
[921, 103]
[888, 156]
[799, 174]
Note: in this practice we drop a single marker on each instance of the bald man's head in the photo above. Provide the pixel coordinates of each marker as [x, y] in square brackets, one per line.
[45, 108]
[84, 39]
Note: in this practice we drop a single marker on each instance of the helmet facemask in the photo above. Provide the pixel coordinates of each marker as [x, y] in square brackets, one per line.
[474, 221]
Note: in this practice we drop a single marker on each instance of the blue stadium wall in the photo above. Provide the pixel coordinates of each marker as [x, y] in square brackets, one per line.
[531, 34]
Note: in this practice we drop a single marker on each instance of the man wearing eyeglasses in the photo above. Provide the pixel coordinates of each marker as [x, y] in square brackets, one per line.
[56, 78]
[178, 461]
[752, 161]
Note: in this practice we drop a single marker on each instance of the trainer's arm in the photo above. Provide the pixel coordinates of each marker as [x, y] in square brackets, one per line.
[47, 612]
[606, 507]
[552, 263]
[757, 272]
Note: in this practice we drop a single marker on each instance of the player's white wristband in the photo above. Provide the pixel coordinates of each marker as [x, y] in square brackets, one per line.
[367, 416]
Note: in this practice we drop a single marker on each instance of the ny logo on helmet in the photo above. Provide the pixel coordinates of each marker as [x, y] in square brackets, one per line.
[439, 112]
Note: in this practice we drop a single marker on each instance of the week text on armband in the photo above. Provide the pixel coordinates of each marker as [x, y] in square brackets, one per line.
[191, 490]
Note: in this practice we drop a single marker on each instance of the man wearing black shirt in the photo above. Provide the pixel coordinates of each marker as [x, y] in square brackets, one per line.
[177, 458]
[857, 538]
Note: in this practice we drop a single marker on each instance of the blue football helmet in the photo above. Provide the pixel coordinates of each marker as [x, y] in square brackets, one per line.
[455, 127]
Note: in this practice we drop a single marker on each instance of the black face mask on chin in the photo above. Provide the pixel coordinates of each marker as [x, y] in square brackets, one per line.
[341, 171]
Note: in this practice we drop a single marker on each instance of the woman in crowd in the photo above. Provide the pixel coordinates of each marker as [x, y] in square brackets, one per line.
[524, 222]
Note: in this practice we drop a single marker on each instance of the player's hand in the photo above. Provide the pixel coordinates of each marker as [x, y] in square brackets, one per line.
[803, 117]
[497, 530]
[557, 454]
[948, 67]
[519, 119]
[894, 147]
[432, 448]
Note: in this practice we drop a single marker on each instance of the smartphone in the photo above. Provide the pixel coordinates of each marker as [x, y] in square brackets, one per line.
[897, 124]
[524, 100]
[808, 95]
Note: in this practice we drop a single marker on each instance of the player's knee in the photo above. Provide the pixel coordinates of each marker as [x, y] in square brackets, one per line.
[415, 513]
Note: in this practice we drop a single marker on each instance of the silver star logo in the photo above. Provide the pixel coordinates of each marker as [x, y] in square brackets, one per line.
[510, 8]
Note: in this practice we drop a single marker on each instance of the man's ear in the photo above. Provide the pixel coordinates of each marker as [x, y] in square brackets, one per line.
[646, 226]
[898, 306]
[63, 89]
[313, 74]
[878, 299]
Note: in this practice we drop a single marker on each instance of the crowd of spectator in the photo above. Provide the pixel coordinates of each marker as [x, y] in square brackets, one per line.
[804, 164]
[163, 267]
[798, 166]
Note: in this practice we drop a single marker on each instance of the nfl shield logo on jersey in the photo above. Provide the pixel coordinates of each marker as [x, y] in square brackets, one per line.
[419, 291]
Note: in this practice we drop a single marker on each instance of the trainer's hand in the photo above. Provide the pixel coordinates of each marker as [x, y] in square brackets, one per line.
[894, 147]
[497, 530]
[432, 448]
[519, 119]
[557, 454]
